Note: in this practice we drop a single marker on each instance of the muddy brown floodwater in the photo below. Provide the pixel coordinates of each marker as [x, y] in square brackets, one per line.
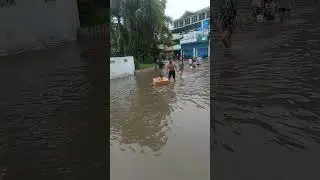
[51, 104]
[161, 133]
[265, 102]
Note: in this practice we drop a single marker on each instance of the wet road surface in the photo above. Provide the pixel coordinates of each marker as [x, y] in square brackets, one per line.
[161, 133]
[265, 104]
[51, 104]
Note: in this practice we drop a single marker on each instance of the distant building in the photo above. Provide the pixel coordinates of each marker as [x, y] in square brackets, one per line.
[190, 33]
[33, 24]
[191, 20]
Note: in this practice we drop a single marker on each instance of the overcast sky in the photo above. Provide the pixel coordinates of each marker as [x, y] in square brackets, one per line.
[176, 8]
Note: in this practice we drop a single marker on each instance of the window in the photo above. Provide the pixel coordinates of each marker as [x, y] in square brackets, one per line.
[175, 24]
[187, 21]
[202, 16]
[180, 23]
[194, 19]
[208, 14]
[7, 3]
[125, 60]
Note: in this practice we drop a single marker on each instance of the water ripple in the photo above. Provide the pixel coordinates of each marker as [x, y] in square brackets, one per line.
[276, 91]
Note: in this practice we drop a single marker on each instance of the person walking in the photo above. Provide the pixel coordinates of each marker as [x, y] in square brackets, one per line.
[228, 14]
[257, 9]
[285, 8]
[269, 10]
[181, 67]
[171, 69]
[199, 61]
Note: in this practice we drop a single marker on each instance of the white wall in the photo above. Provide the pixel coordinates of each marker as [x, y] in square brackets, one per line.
[32, 24]
[120, 68]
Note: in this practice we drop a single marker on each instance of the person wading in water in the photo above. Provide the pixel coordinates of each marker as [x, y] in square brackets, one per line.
[227, 21]
[285, 6]
[181, 67]
[171, 67]
[257, 8]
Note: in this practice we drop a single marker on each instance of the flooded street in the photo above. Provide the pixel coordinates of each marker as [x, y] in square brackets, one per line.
[265, 104]
[161, 133]
[51, 108]
[260, 98]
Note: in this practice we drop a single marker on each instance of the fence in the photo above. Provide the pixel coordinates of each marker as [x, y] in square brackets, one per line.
[96, 39]
[97, 33]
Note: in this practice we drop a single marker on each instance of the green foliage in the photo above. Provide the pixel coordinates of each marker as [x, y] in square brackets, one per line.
[145, 66]
[138, 26]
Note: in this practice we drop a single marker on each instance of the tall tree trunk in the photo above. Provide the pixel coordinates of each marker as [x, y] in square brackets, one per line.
[121, 39]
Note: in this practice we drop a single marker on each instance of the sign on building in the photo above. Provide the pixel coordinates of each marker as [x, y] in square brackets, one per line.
[190, 37]
[176, 36]
[195, 36]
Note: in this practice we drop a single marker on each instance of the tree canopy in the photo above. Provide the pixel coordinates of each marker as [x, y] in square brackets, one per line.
[138, 27]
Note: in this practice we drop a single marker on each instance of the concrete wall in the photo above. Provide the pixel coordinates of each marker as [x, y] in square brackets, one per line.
[121, 67]
[37, 23]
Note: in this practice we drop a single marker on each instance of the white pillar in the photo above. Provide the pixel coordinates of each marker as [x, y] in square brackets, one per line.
[194, 52]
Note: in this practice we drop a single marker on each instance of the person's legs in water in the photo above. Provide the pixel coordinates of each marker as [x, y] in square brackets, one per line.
[225, 21]
[228, 24]
[181, 69]
[169, 75]
[173, 74]
[254, 12]
[260, 14]
[281, 13]
[218, 26]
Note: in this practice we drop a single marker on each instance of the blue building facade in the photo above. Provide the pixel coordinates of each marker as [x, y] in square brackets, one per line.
[191, 33]
[198, 49]
[196, 43]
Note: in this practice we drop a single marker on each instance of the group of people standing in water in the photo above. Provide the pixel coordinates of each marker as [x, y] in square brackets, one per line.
[261, 9]
[171, 67]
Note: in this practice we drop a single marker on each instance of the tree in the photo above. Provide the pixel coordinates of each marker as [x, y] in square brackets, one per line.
[137, 26]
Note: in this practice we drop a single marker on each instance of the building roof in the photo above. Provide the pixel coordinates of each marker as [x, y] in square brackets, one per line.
[190, 13]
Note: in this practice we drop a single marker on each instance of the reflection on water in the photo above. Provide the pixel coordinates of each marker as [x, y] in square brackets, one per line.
[266, 106]
[163, 132]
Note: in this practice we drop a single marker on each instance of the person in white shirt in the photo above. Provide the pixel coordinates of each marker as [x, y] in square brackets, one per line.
[199, 61]
[190, 62]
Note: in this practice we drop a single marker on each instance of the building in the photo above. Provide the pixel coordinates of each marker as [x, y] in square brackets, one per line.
[34, 24]
[190, 33]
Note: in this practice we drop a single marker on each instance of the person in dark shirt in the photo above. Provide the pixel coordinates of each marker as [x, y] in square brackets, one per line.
[285, 6]
[228, 14]
[225, 22]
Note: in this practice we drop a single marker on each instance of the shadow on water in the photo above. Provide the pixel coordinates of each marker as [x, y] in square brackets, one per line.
[51, 105]
[265, 107]
[156, 132]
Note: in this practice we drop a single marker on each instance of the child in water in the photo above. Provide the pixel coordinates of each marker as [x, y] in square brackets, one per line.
[190, 62]
[181, 67]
